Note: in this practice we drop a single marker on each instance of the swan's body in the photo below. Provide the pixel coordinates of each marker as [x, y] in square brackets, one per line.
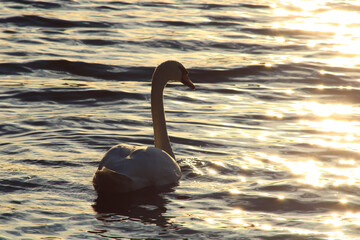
[127, 168]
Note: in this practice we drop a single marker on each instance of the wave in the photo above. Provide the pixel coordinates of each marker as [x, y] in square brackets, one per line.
[99, 42]
[229, 18]
[301, 72]
[342, 95]
[51, 163]
[37, 21]
[95, 70]
[36, 4]
[216, 5]
[18, 184]
[272, 204]
[175, 23]
[72, 96]
[288, 32]
[346, 6]
[11, 129]
[198, 24]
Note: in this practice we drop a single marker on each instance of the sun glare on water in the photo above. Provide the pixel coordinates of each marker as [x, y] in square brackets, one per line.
[338, 30]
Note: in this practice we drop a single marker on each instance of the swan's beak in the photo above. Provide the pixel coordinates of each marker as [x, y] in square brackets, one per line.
[187, 82]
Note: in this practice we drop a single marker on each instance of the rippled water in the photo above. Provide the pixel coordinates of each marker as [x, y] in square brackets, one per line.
[268, 142]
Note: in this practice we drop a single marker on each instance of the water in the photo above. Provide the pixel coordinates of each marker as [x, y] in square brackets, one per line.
[268, 142]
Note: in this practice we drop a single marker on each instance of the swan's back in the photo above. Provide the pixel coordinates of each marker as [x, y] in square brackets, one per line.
[127, 168]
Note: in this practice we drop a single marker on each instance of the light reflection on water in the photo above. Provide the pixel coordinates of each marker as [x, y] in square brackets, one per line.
[267, 143]
[319, 17]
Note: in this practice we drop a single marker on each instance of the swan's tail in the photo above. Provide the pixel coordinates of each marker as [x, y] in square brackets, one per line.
[107, 181]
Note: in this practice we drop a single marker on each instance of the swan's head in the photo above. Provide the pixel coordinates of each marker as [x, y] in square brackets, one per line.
[173, 71]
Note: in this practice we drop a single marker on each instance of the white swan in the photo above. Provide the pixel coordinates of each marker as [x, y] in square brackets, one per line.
[127, 168]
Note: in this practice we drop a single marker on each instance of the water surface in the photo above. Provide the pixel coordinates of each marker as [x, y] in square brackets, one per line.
[267, 143]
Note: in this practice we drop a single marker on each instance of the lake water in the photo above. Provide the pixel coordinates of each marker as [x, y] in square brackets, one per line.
[268, 142]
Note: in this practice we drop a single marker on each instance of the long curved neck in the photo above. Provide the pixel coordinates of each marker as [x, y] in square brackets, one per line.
[158, 115]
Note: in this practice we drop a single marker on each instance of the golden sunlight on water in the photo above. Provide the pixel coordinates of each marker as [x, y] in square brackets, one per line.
[335, 121]
[268, 142]
[339, 28]
[332, 126]
[240, 219]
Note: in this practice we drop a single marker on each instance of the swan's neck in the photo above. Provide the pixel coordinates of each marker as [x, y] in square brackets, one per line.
[158, 115]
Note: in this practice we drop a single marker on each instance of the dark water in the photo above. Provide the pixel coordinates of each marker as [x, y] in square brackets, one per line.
[268, 142]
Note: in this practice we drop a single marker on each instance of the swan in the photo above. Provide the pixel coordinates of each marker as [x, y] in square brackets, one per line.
[126, 168]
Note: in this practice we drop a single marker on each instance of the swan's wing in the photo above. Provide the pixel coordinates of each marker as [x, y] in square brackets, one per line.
[157, 166]
[106, 180]
[118, 172]
[128, 168]
[115, 154]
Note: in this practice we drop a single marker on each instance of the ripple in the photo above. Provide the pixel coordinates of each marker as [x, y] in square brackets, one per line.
[49, 163]
[78, 97]
[11, 185]
[259, 142]
[36, 4]
[37, 21]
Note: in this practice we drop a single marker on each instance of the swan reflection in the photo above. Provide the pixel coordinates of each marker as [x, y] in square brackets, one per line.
[147, 205]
